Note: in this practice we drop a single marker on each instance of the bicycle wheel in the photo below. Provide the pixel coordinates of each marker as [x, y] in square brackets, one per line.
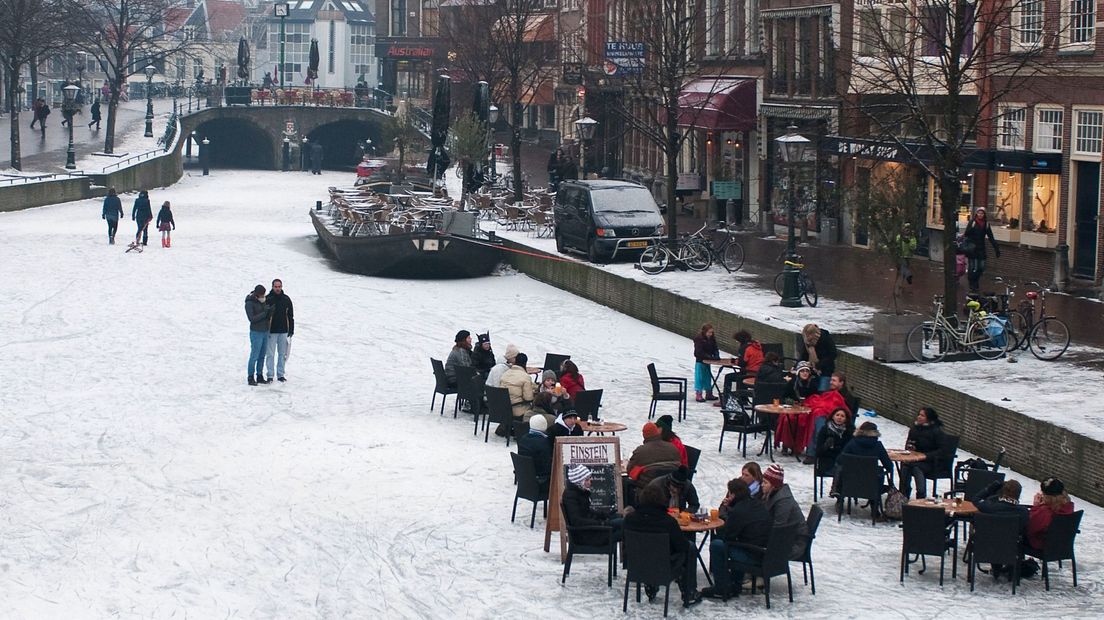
[1049, 339]
[654, 260]
[696, 256]
[733, 256]
[928, 342]
[988, 338]
[808, 290]
[1018, 327]
[779, 283]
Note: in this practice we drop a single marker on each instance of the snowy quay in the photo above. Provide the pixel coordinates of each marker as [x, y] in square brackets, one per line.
[989, 404]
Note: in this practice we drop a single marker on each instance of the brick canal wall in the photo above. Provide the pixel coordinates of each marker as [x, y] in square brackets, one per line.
[1036, 448]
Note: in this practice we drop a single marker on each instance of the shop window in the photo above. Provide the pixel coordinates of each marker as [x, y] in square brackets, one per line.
[1089, 132]
[548, 113]
[1042, 210]
[935, 206]
[1013, 128]
[1048, 129]
[1009, 204]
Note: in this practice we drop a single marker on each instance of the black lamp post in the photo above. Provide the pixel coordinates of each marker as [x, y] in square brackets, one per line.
[150, 70]
[584, 128]
[303, 154]
[287, 154]
[205, 155]
[792, 149]
[82, 60]
[492, 118]
[69, 110]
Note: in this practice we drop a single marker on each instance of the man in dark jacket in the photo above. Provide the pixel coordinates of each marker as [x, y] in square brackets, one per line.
[482, 356]
[112, 211]
[142, 214]
[747, 521]
[316, 157]
[650, 516]
[820, 351]
[926, 437]
[536, 445]
[579, 512]
[654, 457]
[258, 314]
[678, 490]
[280, 332]
[1004, 503]
[783, 508]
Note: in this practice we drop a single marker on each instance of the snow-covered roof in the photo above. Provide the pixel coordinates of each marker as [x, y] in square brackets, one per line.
[308, 10]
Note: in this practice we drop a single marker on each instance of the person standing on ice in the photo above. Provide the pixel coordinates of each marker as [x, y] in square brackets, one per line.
[259, 315]
[112, 211]
[280, 331]
[316, 158]
[142, 214]
[165, 224]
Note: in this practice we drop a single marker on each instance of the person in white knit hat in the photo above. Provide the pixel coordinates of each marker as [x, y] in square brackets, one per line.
[494, 377]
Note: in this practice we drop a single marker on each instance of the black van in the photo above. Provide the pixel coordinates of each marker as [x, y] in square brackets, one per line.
[606, 219]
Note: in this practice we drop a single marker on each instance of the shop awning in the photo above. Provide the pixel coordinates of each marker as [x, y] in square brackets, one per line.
[913, 152]
[718, 103]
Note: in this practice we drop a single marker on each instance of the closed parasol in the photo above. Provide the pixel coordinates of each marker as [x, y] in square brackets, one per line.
[312, 69]
[438, 158]
[243, 59]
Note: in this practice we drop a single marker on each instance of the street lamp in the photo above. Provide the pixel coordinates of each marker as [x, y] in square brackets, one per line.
[584, 129]
[303, 154]
[492, 118]
[68, 111]
[280, 9]
[287, 153]
[150, 70]
[82, 60]
[205, 155]
[792, 148]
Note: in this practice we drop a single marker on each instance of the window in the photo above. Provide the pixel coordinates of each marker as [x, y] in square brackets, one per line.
[330, 55]
[1082, 18]
[1029, 21]
[933, 31]
[1013, 125]
[1048, 129]
[361, 52]
[296, 48]
[735, 23]
[398, 18]
[881, 30]
[715, 36]
[1089, 136]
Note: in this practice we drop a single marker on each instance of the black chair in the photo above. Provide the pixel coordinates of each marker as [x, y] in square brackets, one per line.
[520, 428]
[976, 482]
[996, 540]
[925, 533]
[528, 487]
[469, 388]
[442, 386]
[587, 403]
[812, 524]
[822, 468]
[658, 393]
[746, 423]
[1058, 544]
[693, 455]
[944, 468]
[576, 548]
[647, 562]
[774, 559]
[775, 347]
[860, 477]
[499, 411]
[553, 361]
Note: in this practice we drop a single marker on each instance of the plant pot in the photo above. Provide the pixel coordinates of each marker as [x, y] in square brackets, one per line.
[1006, 234]
[1038, 239]
[891, 333]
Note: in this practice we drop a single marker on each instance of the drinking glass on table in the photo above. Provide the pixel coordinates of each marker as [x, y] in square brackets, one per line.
[910, 445]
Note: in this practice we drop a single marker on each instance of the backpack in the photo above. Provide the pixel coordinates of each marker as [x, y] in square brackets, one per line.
[893, 507]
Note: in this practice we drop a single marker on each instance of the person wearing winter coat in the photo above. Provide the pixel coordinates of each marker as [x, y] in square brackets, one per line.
[783, 508]
[95, 109]
[650, 516]
[566, 425]
[654, 457]
[259, 315]
[750, 358]
[494, 377]
[822, 405]
[460, 355]
[112, 211]
[570, 380]
[554, 169]
[831, 439]
[550, 399]
[316, 157]
[705, 348]
[142, 214]
[677, 490]
[771, 370]
[538, 446]
[1002, 499]
[665, 424]
[280, 332]
[820, 351]
[482, 356]
[977, 231]
[166, 224]
[805, 383]
[520, 385]
[579, 512]
[1051, 500]
[752, 475]
[866, 442]
[927, 437]
[746, 521]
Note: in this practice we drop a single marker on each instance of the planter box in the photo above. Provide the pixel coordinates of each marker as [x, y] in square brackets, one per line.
[890, 334]
[1006, 234]
[1039, 240]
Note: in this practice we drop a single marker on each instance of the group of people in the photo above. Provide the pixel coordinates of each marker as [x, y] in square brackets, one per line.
[271, 326]
[142, 214]
[561, 167]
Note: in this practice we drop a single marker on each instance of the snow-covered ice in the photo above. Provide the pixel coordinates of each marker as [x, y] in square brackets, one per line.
[142, 478]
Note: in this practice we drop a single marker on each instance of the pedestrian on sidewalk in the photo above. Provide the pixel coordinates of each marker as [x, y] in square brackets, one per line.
[977, 231]
[259, 315]
[112, 211]
[280, 331]
[95, 115]
[142, 214]
[554, 169]
[705, 348]
[166, 223]
[41, 114]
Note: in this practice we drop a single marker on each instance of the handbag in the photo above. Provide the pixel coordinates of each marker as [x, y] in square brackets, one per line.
[894, 504]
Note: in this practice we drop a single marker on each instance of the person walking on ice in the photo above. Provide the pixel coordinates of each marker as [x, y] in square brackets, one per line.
[142, 214]
[112, 211]
[165, 224]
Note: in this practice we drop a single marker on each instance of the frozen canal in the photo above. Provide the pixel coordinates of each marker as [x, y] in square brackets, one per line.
[142, 478]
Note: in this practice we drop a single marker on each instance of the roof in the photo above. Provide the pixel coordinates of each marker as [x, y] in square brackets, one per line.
[307, 10]
[224, 16]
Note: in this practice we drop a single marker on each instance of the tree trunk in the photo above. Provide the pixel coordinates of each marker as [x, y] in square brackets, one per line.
[515, 148]
[112, 105]
[12, 85]
[402, 162]
[671, 154]
[34, 78]
[950, 195]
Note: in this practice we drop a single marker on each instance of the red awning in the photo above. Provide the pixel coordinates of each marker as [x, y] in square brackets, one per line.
[719, 103]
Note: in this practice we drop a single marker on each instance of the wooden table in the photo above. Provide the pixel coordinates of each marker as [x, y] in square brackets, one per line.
[906, 456]
[708, 527]
[601, 428]
[959, 511]
[789, 410]
[721, 365]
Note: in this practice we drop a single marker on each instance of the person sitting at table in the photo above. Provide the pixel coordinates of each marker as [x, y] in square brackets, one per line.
[927, 437]
[705, 348]
[830, 442]
[866, 442]
[1002, 499]
[652, 458]
[820, 351]
[566, 425]
[650, 516]
[570, 379]
[805, 383]
[746, 521]
[783, 508]
[749, 358]
[494, 377]
[460, 355]
[679, 491]
[770, 371]
[549, 398]
[1051, 500]
[752, 475]
[665, 422]
[822, 406]
[517, 381]
[536, 445]
[580, 513]
[482, 357]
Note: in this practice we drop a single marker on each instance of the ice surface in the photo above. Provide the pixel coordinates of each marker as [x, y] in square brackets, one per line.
[142, 478]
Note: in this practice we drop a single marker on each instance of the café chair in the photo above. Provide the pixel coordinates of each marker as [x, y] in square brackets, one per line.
[944, 469]
[587, 403]
[647, 562]
[774, 559]
[442, 386]
[822, 468]
[520, 428]
[528, 487]
[693, 455]
[678, 395]
[1058, 544]
[553, 361]
[925, 533]
[976, 482]
[860, 477]
[995, 540]
[812, 524]
[577, 547]
[743, 423]
[499, 411]
[469, 389]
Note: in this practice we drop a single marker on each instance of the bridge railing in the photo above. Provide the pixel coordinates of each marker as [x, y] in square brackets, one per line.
[36, 178]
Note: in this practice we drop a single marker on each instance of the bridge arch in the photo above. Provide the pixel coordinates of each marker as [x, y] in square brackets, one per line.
[237, 143]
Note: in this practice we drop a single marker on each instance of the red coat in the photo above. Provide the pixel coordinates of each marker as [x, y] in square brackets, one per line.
[682, 450]
[796, 431]
[752, 357]
[572, 384]
[1038, 521]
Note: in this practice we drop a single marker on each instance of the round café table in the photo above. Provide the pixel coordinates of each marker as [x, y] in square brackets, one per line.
[708, 527]
[788, 410]
[905, 457]
[602, 427]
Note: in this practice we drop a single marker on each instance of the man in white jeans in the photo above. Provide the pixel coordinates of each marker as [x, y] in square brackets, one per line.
[282, 328]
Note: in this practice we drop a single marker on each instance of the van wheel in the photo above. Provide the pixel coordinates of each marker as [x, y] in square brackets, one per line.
[593, 254]
[559, 243]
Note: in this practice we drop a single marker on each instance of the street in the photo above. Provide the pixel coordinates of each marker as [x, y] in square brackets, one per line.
[45, 151]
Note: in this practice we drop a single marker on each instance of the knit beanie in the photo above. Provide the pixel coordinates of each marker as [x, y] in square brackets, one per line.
[578, 474]
[775, 475]
[650, 430]
[665, 421]
[538, 423]
[547, 375]
[511, 352]
[462, 335]
[1053, 486]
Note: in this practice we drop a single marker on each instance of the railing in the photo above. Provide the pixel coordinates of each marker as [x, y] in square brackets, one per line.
[39, 177]
[421, 119]
[132, 159]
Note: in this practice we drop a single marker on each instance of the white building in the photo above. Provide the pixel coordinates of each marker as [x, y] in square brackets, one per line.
[346, 35]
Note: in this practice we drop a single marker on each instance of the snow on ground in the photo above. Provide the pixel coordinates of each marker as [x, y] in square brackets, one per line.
[130, 140]
[142, 478]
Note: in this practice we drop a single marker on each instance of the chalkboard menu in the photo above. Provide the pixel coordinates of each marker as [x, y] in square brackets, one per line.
[602, 455]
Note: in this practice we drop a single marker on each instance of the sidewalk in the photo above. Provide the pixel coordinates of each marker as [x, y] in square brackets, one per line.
[45, 151]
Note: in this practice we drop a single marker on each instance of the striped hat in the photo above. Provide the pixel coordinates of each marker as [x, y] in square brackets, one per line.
[775, 475]
[578, 474]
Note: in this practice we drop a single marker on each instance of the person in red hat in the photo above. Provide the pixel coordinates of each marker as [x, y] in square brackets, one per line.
[654, 457]
[783, 508]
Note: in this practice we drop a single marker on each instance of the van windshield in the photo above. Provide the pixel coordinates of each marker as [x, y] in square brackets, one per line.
[625, 199]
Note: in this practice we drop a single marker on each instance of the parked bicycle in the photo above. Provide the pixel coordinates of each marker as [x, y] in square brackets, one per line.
[721, 246]
[1047, 337]
[805, 286]
[983, 334]
[664, 254]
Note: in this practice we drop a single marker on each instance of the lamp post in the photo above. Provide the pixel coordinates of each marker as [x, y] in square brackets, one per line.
[287, 153]
[68, 111]
[792, 148]
[492, 118]
[82, 60]
[584, 129]
[280, 9]
[150, 70]
[205, 155]
[303, 154]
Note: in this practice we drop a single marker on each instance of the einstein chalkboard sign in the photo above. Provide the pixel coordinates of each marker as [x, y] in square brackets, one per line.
[602, 455]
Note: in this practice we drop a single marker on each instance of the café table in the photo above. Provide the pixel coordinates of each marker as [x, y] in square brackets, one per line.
[602, 427]
[708, 527]
[960, 511]
[904, 457]
[788, 410]
[721, 364]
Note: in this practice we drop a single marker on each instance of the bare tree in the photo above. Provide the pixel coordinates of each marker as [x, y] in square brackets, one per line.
[129, 34]
[29, 29]
[401, 132]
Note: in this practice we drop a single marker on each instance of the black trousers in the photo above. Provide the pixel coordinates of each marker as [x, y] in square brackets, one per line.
[112, 227]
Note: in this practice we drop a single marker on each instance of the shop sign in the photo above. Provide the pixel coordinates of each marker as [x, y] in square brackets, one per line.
[726, 190]
[405, 51]
[688, 181]
[624, 58]
[573, 73]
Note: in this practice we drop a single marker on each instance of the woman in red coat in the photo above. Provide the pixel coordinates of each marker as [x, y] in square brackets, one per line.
[571, 380]
[1052, 500]
[796, 435]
